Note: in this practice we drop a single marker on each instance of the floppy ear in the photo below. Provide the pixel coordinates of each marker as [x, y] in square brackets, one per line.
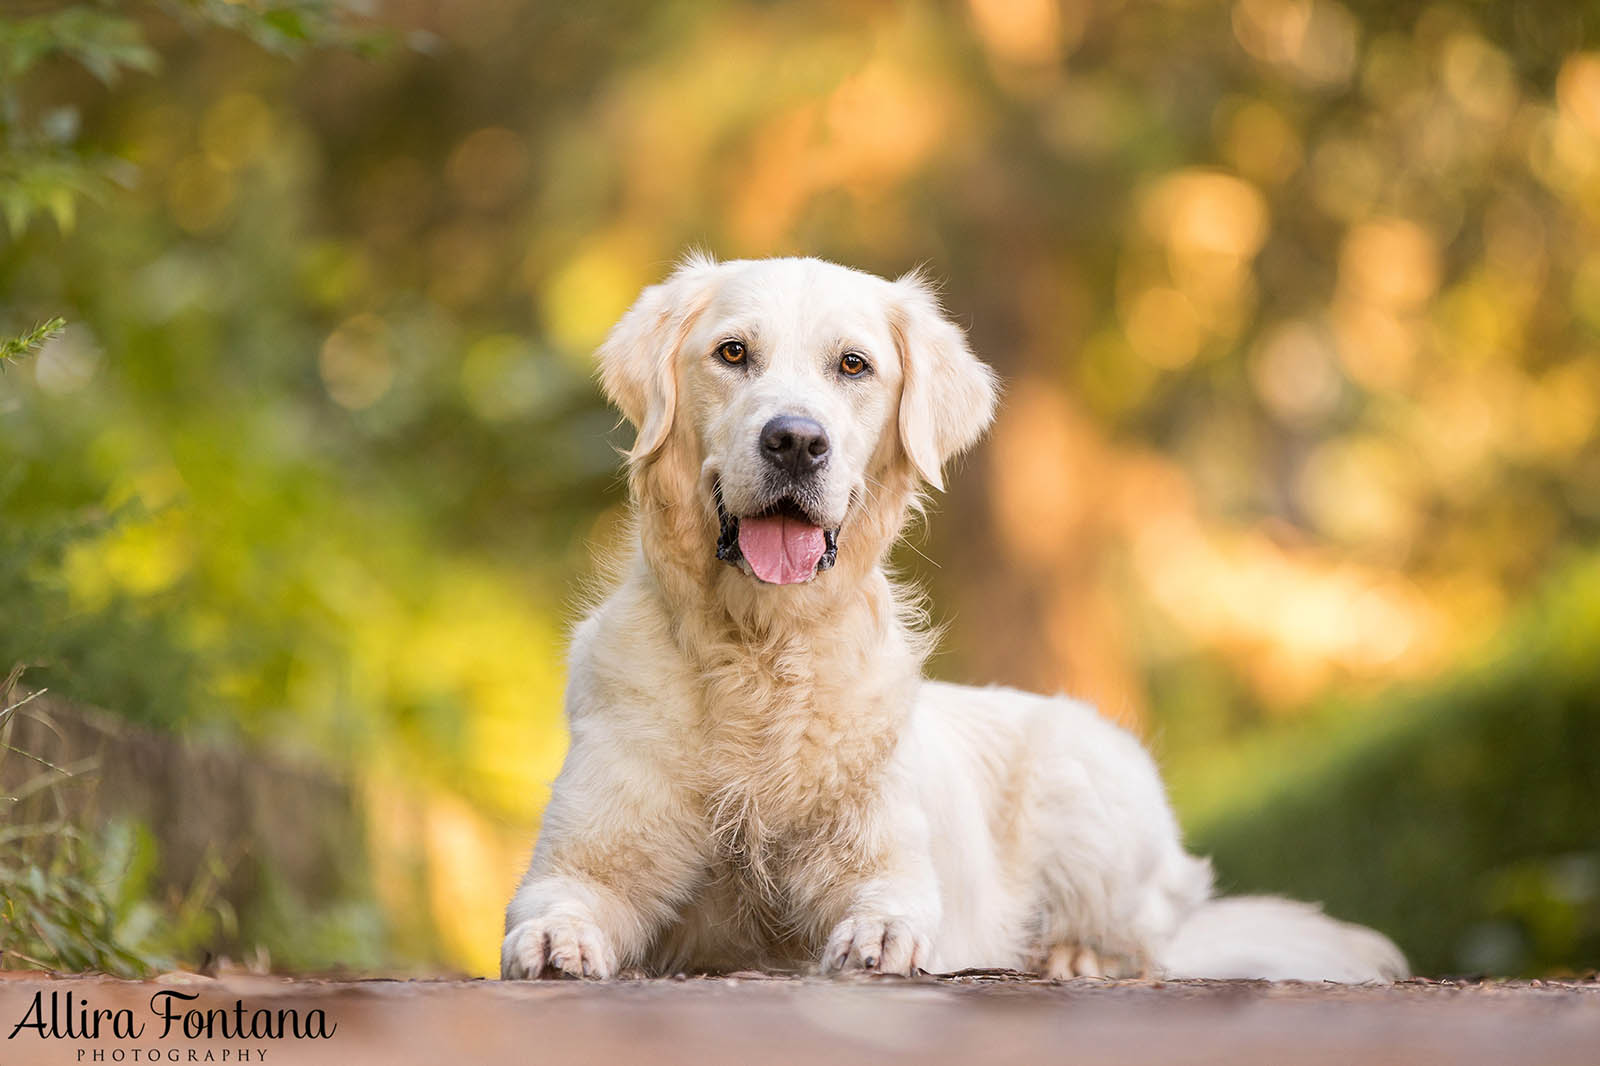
[947, 396]
[639, 356]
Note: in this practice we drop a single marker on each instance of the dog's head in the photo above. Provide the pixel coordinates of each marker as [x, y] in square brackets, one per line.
[792, 406]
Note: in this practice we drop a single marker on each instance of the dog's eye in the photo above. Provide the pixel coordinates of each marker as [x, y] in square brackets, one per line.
[851, 364]
[731, 352]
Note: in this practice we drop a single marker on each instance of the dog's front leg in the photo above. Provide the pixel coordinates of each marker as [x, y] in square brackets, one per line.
[617, 854]
[893, 910]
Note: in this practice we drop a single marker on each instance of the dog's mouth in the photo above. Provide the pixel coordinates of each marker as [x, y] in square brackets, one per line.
[780, 545]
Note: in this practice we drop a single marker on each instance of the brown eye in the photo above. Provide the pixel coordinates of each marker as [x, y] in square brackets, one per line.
[731, 352]
[852, 364]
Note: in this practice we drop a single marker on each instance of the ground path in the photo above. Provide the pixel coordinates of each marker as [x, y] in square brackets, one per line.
[968, 1019]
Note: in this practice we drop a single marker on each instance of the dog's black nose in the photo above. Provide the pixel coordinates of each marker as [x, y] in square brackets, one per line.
[794, 443]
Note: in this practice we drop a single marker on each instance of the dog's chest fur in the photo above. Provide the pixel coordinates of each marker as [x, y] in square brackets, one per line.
[789, 768]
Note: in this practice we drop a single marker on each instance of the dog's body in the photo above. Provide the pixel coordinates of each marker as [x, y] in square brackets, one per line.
[759, 776]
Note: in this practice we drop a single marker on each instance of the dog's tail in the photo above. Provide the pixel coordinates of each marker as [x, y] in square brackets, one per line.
[1263, 937]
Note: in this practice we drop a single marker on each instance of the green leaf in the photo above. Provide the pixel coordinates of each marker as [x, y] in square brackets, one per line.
[102, 43]
[28, 343]
[16, 207]
[63, 207]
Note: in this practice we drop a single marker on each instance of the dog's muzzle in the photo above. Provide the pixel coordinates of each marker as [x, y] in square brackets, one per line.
[780, 545]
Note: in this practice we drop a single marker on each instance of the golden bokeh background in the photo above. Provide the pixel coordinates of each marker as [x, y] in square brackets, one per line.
[1297, 303]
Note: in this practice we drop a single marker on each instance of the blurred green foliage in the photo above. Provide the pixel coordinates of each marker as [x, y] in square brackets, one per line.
[1298, 302]
[74, 898]
[92, 654]
[1461, 818]
[41, 169]
[44, 166]
[105, 864]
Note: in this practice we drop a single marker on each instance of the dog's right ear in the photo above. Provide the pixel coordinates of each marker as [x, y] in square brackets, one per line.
[638, 359]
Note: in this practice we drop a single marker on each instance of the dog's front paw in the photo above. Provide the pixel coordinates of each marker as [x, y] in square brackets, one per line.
[881, 943]
[556, 945]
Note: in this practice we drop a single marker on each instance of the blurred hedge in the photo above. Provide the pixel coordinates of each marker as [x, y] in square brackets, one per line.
[1466, 824]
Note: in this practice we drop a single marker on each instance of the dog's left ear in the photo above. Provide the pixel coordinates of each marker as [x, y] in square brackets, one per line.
[638, 360]
[947, 396]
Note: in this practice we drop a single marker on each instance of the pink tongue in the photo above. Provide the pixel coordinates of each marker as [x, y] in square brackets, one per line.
[780, 550]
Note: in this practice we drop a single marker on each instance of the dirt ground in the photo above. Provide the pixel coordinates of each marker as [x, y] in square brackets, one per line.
[965, 1018]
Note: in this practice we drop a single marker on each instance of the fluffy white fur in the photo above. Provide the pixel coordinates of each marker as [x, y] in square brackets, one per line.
[759, 775]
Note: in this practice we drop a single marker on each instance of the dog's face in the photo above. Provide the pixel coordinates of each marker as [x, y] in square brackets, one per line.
[797, 395]
[791, 379]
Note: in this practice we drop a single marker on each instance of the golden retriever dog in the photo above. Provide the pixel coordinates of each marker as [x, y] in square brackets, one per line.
[759, 775]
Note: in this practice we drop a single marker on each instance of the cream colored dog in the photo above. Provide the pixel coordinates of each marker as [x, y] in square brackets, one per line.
[759, 776]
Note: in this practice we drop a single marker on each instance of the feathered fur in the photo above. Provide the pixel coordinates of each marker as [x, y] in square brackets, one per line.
[759, 775]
